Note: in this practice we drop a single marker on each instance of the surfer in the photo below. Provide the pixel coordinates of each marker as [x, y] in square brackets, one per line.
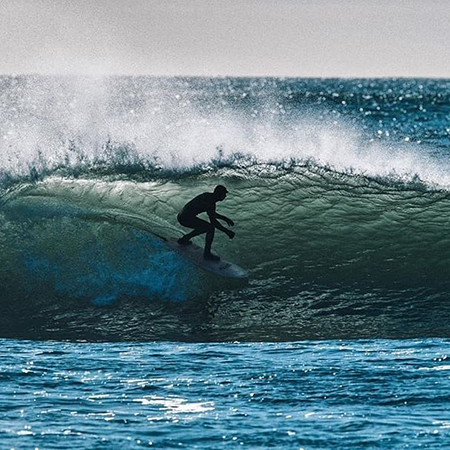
[205, 202]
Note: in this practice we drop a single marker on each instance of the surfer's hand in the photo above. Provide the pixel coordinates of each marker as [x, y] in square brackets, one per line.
[229, 222]
[231, 234]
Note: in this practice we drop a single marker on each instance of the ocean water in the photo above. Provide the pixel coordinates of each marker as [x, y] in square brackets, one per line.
[340, 194]
[310, 394]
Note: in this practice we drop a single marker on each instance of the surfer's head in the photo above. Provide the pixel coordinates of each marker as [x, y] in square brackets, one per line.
[220, 192]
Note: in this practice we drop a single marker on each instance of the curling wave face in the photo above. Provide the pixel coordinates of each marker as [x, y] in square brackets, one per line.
[344, 232]
[306, 235]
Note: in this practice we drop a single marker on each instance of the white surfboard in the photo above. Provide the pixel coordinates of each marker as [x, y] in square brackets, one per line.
[194, 253]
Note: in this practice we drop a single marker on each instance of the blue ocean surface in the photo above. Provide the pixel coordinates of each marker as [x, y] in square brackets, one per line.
[340, 194]
[311, 395]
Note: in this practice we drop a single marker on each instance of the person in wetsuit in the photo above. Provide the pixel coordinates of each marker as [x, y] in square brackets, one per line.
[205, 202]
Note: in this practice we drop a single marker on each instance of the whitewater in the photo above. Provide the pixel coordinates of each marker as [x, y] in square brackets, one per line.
[340, 194]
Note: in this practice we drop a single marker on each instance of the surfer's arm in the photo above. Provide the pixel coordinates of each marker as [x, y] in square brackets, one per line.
[212, 216]
[226, 219]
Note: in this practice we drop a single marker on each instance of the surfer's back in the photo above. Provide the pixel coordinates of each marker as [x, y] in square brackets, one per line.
[202, 203]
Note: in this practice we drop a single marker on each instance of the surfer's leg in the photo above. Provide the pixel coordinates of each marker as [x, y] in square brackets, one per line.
[209, 240]
[200, 226]
[186, 239]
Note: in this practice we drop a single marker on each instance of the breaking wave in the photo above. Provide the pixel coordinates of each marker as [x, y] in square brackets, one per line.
[343, 229]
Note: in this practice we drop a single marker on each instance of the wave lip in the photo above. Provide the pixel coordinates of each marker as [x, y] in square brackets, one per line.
[128, 126]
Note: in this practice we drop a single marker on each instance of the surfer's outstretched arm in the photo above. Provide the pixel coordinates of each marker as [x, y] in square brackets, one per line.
[225, 218]
[219, 226]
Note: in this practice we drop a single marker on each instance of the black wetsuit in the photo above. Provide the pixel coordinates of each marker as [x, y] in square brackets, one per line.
[200, 204]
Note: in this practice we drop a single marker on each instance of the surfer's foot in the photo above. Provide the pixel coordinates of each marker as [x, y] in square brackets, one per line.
[183, 241]
[210, 257]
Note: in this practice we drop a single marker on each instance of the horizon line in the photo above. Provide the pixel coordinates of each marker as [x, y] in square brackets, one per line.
[279, 77]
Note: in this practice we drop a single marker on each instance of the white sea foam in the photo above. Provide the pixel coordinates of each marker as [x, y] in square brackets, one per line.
[82, 122]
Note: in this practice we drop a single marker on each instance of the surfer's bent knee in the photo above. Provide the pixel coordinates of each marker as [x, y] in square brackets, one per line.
[183, 220]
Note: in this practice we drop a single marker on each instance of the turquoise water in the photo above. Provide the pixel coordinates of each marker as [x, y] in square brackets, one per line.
[311, 395]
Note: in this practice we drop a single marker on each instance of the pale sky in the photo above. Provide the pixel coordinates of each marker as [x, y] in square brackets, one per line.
[292, 38]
